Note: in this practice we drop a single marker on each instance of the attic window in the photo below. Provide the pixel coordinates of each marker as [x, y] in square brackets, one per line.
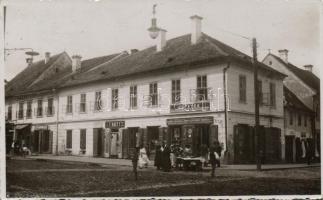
[270, 63]
[56, 70]
[103, 72]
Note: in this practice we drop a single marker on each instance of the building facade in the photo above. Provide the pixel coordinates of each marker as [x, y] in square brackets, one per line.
[175, 92]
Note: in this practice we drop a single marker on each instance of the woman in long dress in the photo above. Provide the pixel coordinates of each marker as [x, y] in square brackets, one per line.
[143, 158]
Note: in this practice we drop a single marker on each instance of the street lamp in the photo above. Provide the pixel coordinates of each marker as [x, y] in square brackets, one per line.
[153, 30]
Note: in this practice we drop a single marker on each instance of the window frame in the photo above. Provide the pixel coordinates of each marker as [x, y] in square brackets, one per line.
[83, 143]
[21, 110]
[98, 102]
[272, 94]
[82, 103]
[153, 94]
[201, 88]
[40, 108]
[51, 113]
[29, 110]
[176, 91]
[114, 99]
[69, 104]
[133, 97]
[242, 88]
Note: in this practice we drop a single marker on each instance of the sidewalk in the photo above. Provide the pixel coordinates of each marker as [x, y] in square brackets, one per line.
[124, 162]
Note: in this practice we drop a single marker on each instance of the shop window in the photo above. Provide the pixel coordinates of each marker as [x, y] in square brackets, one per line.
[21, 110]
[68, 139]
[29, 109]
[201, 91]
[9, 112]
[133, 97]
[176, 91]
[50, 109]
[115, 99]
[272, 94]
[39, 107]
[242, 89]
[98, 101]
[69, 106]
[83, 139]
[153, 93]
[83, 103]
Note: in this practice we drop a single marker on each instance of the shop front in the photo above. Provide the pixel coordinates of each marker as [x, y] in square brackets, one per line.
[112, 137]
[42, 139]
[22, 137]
[194, 132]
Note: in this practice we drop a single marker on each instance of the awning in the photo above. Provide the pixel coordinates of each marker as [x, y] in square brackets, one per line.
[21, 126]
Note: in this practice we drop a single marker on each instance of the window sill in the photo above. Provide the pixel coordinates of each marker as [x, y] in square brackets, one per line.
[50, 115]
[82, 112]
[242, 102]
[39, 116]
[69, 113]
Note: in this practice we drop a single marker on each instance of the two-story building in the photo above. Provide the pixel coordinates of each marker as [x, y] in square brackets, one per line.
[305, 85]
[175, 91]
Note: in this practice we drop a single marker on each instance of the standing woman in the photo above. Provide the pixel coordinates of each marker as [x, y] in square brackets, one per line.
[143, 158]
[158, 157]
[166, 158]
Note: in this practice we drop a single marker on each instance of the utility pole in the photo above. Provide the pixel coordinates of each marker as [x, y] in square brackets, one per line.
[256, 91]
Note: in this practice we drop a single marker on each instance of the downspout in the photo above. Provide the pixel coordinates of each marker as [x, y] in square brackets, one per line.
[225, 107]
[57, 114]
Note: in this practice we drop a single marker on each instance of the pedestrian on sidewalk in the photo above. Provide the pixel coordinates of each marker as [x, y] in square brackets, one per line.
[158, 157]
[166, 157]
[143, 158]
[212, 159]
[218, 150]
[135, 158]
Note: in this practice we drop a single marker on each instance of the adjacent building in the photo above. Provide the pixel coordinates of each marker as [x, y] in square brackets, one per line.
[175, 91]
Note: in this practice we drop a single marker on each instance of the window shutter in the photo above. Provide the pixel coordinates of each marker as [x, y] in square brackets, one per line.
[213, 134]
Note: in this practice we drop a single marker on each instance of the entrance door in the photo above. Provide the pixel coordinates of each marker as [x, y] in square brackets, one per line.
[289, 146]
[45, 141]
[153, 136]
[243, 144]
[98, 142]
[200, 137]
[114, 140]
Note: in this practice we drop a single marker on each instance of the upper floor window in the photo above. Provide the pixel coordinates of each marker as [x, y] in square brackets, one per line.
[242, 88]
[69, 106]
[176, 91]
[115, 99]
[153, 93]
[98, 101]
[201, 92]
[50, 109]
[9, 112]
[260, 94]
[272, 94]
[83, 103]
[39, 107]
[133, 97]
[291, 118]
[21, 110]
[29, 109]
[299, 120]
[68, 139]
[305, 120]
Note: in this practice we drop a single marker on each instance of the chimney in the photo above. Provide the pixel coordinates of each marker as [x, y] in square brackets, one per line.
[76, 62]
[132, 51]
[196, 28]
[161, 41]
[47, 57]
[283, 54]
[308, 67]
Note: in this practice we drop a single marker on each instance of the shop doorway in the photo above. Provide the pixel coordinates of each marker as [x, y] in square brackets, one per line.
[243, 144]
[200, 137]
[42, 141]
[152, 136]
[289, 146]
[129, 140]
[113, 142]
[98, 142]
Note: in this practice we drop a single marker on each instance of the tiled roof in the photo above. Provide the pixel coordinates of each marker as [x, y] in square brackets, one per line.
[26, 77]
[291, 100]
[307, 77]
[177, 52]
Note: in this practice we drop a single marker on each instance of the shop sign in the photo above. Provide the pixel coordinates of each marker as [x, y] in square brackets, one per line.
[191, 107]
[116, 124]
[40, 127]
[193, 120]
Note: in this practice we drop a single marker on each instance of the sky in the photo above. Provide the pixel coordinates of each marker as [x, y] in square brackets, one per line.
[93, 28]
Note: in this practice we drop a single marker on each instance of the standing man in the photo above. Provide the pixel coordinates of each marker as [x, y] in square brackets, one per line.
[135, 158]
[218, 150]
[212, 159]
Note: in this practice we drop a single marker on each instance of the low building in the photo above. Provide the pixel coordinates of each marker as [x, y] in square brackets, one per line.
[305, 85]
[175, 91]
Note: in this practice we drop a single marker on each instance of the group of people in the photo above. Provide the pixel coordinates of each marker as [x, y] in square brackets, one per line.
[164, 158]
